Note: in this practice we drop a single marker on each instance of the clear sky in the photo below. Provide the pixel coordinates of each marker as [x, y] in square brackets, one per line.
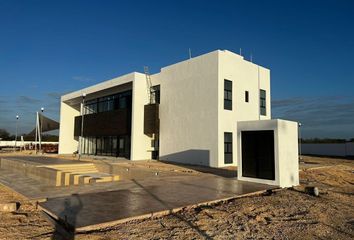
[48, 48]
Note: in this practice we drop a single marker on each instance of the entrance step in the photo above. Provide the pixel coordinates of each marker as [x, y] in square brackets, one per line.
[78, 174]
[56, 171]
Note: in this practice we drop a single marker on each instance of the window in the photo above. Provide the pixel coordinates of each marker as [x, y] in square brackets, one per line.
[227, 147]
[227, 95]
[108, 103]
[246, 96]
[262, 96]
[90, 106]
[122, 102]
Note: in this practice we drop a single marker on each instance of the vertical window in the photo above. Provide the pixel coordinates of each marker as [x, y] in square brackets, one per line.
[262, 99]
[227, 147]
[227, 95]
[122, 102]
[246, 96]
[121, 143]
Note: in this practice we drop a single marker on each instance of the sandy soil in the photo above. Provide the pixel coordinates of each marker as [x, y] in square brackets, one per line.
[286, 214]
[26, 223]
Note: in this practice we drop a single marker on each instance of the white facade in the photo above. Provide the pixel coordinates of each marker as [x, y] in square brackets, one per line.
[191, 110]
[192, 115]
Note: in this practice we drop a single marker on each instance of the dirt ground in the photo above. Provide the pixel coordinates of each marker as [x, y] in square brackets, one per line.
[285, 214]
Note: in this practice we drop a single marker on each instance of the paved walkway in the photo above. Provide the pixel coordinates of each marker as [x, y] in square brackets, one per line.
[100, 205]
[42, 160]
[144, 198]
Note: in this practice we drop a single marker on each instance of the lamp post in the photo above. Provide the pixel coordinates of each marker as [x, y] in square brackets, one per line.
[17, 117]
[82, 124]
[300, 158]
[40, 130]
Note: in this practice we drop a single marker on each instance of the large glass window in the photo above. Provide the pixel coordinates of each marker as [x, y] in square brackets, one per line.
[228, 147]
[262, 99]
[90, 107]
[105, 104]
[115, 146]
[227, 94]
[108, 103]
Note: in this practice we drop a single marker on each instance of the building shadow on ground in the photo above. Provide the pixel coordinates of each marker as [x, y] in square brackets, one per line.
[65, 226]
[201, 232]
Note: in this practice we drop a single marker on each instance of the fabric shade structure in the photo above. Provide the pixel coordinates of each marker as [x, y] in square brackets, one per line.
[45, 124]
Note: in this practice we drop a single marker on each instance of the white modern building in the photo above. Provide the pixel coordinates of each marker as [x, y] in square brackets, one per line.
[186, 113]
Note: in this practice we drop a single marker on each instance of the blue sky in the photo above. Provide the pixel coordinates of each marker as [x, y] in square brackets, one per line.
[48, 48]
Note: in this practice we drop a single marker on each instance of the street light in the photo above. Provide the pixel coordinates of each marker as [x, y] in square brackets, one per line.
[17, 117]
[82, 124]
[40, 130]
[300, 158]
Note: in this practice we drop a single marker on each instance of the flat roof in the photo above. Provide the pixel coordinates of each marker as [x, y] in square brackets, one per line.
[127, 78]
[131, 76]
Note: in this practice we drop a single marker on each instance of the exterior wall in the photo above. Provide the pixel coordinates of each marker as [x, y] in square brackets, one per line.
[67, 143]
[328, 149]
[140, 143]
[245, 76]
[288, 156]
[285, 150]
[188, 111]
[350, 149]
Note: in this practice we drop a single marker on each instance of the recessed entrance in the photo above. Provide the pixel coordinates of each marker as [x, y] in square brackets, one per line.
[258, 154]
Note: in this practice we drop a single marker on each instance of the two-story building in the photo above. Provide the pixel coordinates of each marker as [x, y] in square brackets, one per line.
[197, 103]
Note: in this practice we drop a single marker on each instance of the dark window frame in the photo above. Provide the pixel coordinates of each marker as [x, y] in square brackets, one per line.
[228, 148]
[227, 94]
[247, 96]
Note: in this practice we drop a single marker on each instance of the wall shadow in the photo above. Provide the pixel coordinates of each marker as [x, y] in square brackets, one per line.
[197, 160]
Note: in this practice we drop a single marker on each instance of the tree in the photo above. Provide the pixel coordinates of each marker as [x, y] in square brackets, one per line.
[4, 135]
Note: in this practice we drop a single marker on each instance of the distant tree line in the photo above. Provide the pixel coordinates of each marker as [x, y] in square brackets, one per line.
[326, 140]
[6, 136]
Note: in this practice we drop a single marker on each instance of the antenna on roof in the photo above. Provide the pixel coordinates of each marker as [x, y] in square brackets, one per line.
[240, 51]
[190, 53]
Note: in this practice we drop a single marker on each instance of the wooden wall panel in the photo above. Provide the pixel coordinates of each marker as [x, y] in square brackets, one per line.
[151, 119]
[110, 123]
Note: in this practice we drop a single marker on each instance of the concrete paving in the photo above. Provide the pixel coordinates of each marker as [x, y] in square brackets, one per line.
[144, 198]
[95, 206]
[37, 190]
[42, 160]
